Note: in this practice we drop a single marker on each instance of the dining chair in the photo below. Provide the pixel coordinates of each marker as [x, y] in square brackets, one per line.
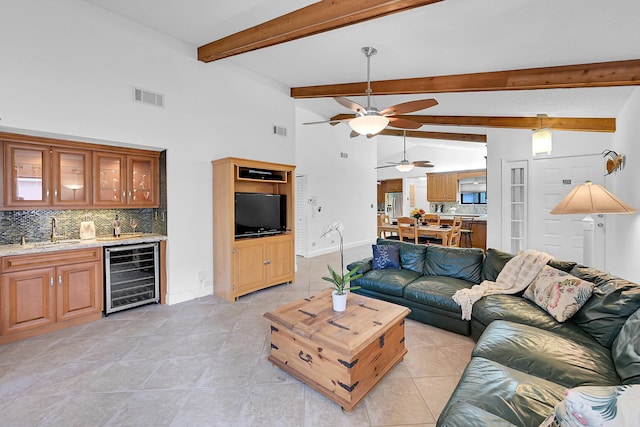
[466, 231]
[431, 219]
[454, 239]
[407, 227]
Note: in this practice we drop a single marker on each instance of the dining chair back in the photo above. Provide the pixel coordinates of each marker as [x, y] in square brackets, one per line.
[431, 219]
[454, 240]
[407, 228]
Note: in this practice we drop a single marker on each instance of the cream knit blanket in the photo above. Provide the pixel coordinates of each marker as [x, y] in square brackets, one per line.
[516, 275]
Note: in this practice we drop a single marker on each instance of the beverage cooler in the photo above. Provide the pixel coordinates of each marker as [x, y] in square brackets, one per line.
[131, 276]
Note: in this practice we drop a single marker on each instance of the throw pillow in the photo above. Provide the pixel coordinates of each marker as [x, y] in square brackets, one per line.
[558, 293]
[605, 406]
[385, 256]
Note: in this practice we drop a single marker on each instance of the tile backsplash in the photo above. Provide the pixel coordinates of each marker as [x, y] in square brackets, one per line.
[460, 208]
[35, 225]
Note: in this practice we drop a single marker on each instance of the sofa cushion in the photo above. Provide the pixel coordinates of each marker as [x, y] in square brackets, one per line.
[612, 302]
[613, 406]
[385, 256]
[547, 355]
[626, 350]
[436, 291]
[512, 395]
[461, 263]
[461, 414]
[389, 281]
[520, 310]
[558, 293]
[494, 262]
[411, 255]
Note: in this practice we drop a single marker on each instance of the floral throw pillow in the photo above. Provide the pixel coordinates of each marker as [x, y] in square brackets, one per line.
[385, 256]
[558, 293]
[597, 406]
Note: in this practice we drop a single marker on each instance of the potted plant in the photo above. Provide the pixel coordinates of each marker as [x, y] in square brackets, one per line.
[417, 213]
[340, 281]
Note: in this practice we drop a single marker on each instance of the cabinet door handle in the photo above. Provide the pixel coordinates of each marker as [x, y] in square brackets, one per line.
[265, 262]
[55, 193]
[47, 193]
[60, 279]
[123, 194]
[51, 281]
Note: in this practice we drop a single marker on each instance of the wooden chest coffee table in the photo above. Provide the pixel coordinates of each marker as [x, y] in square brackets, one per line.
[341, 355]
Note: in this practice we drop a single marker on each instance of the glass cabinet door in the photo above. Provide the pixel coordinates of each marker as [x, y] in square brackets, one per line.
[108, 179]
[143, 175]
[72, 171]
[26, 175]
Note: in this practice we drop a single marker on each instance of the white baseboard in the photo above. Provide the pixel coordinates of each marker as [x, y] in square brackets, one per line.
[336, 248]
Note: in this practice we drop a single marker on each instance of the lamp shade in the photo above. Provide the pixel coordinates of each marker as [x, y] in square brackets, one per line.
[589, 198]
[541, 141]
[369, 125]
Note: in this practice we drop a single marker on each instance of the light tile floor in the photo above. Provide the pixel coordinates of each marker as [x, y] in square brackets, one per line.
[204, 363]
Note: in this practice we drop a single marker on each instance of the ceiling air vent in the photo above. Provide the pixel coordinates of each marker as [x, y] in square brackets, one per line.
[279, 130]
[147, 97]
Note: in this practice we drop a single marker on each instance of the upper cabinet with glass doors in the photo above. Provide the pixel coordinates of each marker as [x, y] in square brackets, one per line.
[41, 172]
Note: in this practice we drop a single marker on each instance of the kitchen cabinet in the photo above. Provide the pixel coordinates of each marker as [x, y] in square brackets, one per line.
[125, 180]
[38, 172]
[44, 292]
[42, 176]
[242, 265]
[442, 187]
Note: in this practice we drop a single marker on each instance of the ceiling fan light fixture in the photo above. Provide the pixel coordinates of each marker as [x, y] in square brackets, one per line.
[369, 125]
[404, 167]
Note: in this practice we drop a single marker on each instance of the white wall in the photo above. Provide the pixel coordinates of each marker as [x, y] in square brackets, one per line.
[511, 145]
[68, 69]
[345, 188]
[623, 234]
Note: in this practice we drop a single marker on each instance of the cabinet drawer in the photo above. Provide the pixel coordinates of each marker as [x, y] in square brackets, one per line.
[49, 259]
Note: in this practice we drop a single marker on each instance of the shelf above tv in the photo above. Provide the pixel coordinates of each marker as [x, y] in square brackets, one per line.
[261, 175]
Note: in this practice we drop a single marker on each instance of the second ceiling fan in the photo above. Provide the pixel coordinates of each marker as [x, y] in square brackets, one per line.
[405, 165]
[370, 121]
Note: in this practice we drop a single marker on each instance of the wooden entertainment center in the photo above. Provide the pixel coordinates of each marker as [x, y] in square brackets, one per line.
[248, 264]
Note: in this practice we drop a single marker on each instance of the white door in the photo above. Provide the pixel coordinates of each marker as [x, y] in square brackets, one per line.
[562, 235]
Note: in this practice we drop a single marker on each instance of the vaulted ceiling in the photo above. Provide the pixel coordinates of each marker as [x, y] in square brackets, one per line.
[439, 38]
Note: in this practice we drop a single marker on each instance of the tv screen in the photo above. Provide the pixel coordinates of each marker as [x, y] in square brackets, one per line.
[260, 214]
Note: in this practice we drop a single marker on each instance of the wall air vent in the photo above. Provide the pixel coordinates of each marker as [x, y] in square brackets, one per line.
[344, 155]
[279, 130]
[147, 97]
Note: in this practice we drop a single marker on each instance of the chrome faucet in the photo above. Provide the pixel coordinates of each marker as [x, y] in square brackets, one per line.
[54, 235]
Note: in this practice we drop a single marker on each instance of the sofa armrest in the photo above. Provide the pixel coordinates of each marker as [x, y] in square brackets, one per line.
[366, 265]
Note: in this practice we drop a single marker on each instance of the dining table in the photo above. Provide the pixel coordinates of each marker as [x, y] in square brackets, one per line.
[443, 233]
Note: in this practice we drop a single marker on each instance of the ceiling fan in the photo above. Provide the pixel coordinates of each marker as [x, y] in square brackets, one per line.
[405, 165]
[370, 121]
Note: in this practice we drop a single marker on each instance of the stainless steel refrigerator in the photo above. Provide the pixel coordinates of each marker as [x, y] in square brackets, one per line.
[393, 204]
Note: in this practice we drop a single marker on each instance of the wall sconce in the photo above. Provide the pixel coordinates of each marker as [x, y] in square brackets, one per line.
[589, 198]
[541, 142]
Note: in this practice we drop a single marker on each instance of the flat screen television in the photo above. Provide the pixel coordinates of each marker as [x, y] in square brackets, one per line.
[259, 214]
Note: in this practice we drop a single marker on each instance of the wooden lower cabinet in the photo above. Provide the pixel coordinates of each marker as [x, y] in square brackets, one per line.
[40, 293]
[260, 263]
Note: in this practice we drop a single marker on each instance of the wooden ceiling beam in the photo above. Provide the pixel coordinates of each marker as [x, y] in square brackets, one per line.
[448, 136]
[325, 15]
[581, 124]
[601, 74]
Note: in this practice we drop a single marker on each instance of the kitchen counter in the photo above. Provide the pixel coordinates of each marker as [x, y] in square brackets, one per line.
[64, 245]
[476, 217]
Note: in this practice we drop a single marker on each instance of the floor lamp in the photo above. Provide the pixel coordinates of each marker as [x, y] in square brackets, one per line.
[589, 198]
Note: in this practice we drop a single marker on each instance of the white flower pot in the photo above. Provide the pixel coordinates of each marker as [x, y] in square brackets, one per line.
[339, 301]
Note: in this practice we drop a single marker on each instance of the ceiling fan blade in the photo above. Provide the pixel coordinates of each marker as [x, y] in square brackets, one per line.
[327, 121]
[409, 107]
[389, 166]
[354, 106]
[421, 165]
[353, 134]
[397, 122]
[422, 162]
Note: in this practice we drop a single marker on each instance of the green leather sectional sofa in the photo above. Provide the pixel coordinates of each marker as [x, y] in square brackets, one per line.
[524, 360]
